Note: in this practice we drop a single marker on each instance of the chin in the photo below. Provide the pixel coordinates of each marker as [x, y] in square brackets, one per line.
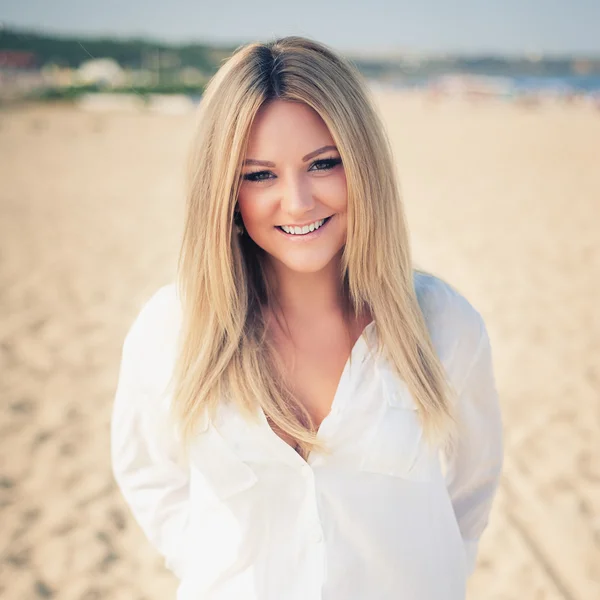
[307, 267]
[306, 264]
[300, 259]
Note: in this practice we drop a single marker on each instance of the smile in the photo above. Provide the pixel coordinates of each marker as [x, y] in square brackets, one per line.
[305, 230]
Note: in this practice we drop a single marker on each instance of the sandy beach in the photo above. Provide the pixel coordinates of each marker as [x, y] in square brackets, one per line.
[503, 201]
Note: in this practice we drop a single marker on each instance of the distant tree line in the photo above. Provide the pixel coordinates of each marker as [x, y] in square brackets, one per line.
[132, 53]
[140, 53]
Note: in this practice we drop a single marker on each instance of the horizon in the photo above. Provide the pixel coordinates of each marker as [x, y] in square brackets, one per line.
[433, 27]
[370, 53]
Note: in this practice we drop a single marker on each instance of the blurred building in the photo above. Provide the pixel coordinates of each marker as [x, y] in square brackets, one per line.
[19, 73]
[104, 72]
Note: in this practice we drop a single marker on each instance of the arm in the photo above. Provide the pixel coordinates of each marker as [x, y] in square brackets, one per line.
[144, 465]
[473, 472]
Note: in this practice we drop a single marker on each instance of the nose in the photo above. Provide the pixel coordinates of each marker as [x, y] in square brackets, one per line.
[297, 199]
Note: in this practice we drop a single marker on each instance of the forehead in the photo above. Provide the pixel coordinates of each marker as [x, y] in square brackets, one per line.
[282, 124]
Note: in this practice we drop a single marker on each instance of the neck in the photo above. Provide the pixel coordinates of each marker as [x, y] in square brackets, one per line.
[307, 296]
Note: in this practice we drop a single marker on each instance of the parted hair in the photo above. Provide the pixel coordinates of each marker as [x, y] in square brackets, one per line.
[224, 354]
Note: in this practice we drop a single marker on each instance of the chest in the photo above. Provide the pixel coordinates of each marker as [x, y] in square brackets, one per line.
[313, 365]
[374, 428]
[314, 374]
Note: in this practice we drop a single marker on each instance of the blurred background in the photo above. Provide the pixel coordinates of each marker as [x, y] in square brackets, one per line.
[493, 110]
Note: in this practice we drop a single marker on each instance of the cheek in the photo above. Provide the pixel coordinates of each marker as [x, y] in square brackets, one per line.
[333, 191]
[253, 206]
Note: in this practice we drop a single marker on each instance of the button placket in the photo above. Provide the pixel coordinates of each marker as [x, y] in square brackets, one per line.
[316, 531]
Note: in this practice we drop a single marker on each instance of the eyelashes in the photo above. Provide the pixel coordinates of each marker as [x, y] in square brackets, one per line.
[325, 164]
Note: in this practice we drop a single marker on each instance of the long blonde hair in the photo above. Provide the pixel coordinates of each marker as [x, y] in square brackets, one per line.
[224, 354]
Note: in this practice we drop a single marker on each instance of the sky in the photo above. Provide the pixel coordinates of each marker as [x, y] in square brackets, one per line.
[361, 26]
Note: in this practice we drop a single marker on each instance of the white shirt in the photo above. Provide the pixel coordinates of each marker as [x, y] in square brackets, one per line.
[380, 518]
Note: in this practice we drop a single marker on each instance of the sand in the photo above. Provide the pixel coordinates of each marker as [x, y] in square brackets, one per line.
[502, 200]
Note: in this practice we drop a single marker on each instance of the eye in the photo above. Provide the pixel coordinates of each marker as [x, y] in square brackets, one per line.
[257, 176]
[325, 164]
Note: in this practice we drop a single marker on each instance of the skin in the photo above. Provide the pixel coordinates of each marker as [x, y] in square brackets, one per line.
[298, 188]
[293, 191]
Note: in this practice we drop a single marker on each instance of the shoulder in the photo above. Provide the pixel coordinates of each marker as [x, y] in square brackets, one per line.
[157, 317]
[150, 341]
[456, 327]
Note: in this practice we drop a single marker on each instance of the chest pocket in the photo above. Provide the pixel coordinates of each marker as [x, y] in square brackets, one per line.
[397, 447]
[222, 473]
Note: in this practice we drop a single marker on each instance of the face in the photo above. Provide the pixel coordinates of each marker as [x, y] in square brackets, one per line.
[293, 177]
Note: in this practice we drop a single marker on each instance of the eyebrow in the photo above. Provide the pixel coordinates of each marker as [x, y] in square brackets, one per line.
[267, 163]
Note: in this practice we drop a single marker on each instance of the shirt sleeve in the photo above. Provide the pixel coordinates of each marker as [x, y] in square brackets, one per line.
[473, 471]
[154, 484]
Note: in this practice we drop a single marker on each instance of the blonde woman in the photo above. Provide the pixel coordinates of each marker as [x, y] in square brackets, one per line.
[302, 414]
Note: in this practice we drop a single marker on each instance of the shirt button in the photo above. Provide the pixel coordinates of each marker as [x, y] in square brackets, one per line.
[317, 537]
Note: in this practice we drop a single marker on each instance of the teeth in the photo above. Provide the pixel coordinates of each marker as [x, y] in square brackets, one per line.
[303, 230]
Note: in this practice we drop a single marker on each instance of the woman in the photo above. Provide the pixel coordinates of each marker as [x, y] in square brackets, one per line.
[303, 414]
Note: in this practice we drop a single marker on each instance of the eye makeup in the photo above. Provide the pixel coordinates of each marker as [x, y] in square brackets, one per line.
[325, 164]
